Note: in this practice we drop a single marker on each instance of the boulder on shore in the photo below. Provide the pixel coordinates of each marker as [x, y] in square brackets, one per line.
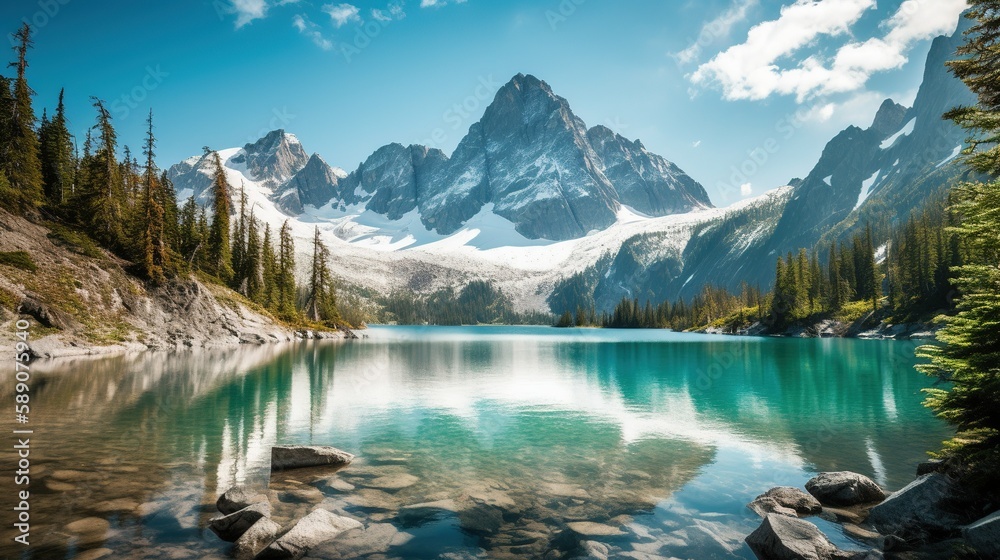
[300, 456]
[231, 527]
[780, 537]
[984, 535]
[237, 498]
[785, 500]
[311, 531]
[844, 489]
[915, 511]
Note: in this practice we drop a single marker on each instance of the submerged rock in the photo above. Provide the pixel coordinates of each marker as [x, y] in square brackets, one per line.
[785, 500]
[591, 529]
[237, 498]
[258, 536]
[915, 511]
[418, 513]
[312, 530]
[231, 527]
[844, 489]
[301, 456]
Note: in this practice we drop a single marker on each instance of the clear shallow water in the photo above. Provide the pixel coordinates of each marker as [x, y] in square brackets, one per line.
[517, 433]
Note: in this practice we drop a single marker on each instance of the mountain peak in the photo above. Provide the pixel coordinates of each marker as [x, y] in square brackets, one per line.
[274, 158]
[889, 118]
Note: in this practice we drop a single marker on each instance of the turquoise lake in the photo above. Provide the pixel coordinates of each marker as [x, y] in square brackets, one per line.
[523, 440]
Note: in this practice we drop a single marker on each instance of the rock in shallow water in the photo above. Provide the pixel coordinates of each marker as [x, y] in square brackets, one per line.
[301, 456]
[237, 498]
[312, 530]
[785, 500]
[844, 489]
[231, 527]
[258, 536]
[780, 537]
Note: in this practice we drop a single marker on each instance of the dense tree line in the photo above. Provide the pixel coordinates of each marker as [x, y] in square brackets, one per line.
[130, 207]
[478, 303]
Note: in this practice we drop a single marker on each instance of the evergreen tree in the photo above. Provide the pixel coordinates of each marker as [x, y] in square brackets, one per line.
[171, 213]
[970, 351]
[254, 280]
[104, 192]
[268, 271]
[219, 250]
[21, 163]
[240, 272]
[321, 305]
[155, 253]
[57, 161]
[285, 274]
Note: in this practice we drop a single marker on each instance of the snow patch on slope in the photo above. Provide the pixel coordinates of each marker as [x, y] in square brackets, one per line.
[905, 131]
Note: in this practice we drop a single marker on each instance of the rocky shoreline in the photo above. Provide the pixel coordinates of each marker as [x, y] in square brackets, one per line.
[830, 328]
[932, 517]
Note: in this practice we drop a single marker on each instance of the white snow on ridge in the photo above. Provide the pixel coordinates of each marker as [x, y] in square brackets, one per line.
[384, 255]
[906, 130]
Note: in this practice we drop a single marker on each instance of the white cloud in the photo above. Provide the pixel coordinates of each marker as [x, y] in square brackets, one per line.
[716, 29]
[342, 14]
[248, 10]
[696, 143]
[438, 3]
[311, 30]
[751, 70]
[746, 189]
[392, 12]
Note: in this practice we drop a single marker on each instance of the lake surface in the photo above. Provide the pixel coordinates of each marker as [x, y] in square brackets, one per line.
[519, 436]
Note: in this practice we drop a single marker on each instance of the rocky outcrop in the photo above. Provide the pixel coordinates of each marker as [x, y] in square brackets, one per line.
[310, 531]
[285, 457]
[92, 305]
[915, 512]
[844, 489]
[785, 500]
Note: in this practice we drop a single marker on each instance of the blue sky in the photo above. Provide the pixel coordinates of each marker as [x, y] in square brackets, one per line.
[708, 84]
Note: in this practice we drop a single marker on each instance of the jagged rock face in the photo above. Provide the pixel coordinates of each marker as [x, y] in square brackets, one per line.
[890, 118]
[529, 159]
[645, 181]
[273, 159]
[315, 184]
[540, 167]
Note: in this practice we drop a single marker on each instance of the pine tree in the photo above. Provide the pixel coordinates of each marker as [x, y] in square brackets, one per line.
[104, 193]
[57, 161]
[254, 280]
[284, 274]
[171, 213]
[268, 271]
[21, 163]
[321, 305]
[970, 351]
[219, 251]
[155, 253]
[240, 272]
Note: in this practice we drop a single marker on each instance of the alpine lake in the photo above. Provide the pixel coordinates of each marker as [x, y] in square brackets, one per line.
[471, 442]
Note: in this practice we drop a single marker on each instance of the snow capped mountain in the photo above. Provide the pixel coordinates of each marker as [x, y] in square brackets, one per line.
[530, 160]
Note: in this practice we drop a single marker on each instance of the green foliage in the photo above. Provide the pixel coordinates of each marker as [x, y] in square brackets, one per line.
[478, 303]
[74, 240]
[321, 303]
[19, 156]
[58, 165]
[219, 257]
[968, 356]
[18, 259]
